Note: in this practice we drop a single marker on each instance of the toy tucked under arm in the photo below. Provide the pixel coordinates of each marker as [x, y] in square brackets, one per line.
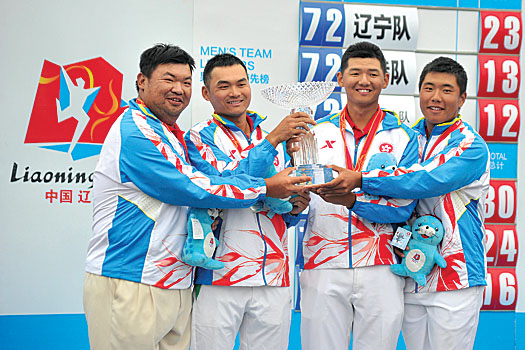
[200, 244]
[427, 233]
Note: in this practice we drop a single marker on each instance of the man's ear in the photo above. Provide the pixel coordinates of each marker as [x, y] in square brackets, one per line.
[462, 99]
[340, 79]
[205, 93]
[141, 80]
[387, 80]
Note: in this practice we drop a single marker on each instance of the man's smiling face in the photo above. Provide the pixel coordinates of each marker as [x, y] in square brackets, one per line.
[363, 79]
[228, 91]
[440, 98]
[167, 92]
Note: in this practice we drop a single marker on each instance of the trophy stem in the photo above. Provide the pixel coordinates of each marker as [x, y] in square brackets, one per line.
[307, 153]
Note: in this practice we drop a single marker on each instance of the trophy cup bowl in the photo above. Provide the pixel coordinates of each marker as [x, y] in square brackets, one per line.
[302, 97]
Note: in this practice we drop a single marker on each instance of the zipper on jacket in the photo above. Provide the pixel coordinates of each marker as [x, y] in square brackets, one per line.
[265, 249]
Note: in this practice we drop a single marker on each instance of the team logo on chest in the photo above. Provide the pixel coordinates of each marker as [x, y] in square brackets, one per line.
[386, 147]
[329, 144]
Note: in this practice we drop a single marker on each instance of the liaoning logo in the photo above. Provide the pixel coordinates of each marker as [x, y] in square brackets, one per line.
[75, 106]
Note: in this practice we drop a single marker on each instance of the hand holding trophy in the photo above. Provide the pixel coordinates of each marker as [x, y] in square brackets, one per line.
[302, 97]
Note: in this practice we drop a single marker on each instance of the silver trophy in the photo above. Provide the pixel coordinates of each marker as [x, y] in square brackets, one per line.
[302, 97]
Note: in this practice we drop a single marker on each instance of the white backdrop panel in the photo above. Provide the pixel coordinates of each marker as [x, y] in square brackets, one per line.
[437, 40]
[263, 36]
[43, 245]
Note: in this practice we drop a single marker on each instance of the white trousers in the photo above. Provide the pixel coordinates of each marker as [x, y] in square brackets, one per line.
[261, 316]
[442, 320]
[365, 302]
[125, 315]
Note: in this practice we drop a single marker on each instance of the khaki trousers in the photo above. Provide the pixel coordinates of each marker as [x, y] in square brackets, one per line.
[128, 315]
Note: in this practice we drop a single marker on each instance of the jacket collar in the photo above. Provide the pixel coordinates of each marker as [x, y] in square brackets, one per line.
[255, 117]
[391, 120]
[421, 126]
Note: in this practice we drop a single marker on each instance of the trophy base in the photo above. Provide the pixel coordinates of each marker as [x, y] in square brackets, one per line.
[319, 173]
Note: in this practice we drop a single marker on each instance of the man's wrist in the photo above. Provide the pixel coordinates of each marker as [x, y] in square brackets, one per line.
[268, 182]
[351, 201]
[272, 140]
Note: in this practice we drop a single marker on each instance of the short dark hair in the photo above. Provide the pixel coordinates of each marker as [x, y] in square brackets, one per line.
[220, 60]
[446, 65]
[163, 54]
[363, 49]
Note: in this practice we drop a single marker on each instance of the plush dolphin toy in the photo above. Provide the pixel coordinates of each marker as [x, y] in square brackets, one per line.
[383, 161]
[427, 233]
[200, 244]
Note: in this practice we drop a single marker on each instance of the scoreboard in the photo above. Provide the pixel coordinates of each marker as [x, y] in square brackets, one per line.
[485, 37]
